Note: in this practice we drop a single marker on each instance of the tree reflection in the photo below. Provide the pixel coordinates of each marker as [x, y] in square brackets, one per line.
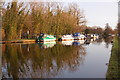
[32, 61]
[108, 41]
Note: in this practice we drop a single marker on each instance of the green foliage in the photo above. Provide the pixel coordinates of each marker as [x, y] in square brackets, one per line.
[87, 31]
[118, 27]
[107, 30]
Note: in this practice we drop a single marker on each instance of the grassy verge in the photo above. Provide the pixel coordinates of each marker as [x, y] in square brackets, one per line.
[113, 68]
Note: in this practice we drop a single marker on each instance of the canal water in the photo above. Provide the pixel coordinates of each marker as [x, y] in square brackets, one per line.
[66, 59]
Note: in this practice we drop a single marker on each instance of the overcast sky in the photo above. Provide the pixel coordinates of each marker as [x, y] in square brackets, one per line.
[97, 12]
[100, 13]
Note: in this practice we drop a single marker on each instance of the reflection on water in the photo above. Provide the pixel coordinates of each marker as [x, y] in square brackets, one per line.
[43, 60]
[108, 41]
[32, 60]
[47, 44]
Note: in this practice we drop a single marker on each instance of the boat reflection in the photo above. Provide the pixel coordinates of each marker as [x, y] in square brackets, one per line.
[87, 42]
[67, 42]
[47, 44]
[79, 42]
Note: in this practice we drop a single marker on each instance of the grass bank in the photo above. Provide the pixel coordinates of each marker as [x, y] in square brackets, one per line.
[113, 68]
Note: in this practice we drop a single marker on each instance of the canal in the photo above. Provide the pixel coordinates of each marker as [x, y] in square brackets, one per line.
[67, 59]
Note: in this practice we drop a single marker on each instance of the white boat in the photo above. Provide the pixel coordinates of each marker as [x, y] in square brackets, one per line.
[67, 37]
[94, 36]
[45, 38]
[79, 36]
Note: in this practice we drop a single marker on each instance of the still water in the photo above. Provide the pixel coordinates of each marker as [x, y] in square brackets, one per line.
[67, 59]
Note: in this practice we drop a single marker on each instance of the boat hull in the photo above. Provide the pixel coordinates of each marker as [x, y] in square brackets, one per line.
[45, 40]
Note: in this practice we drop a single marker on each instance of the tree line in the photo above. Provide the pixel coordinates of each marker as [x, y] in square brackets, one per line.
[104, 32]
[118, 27]
[21, 19]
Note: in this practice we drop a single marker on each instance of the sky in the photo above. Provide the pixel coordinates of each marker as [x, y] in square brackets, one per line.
[97, 12]
[100, 13]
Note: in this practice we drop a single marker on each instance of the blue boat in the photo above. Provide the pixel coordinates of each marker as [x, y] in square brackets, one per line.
[78, 36]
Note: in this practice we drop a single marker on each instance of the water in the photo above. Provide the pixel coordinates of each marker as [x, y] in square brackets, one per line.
[68, 59]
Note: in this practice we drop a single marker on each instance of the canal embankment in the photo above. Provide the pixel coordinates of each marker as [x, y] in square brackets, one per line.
[114, 63]
[18, 41]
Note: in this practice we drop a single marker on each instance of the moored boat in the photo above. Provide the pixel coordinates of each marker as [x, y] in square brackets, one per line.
[67, 37]
[45, 38]
[94, 36]
[78, 36]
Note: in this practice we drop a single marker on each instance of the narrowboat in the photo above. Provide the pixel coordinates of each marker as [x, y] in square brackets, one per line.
[45, 38]
[78, 36]
[67, 37]
[94, 36]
